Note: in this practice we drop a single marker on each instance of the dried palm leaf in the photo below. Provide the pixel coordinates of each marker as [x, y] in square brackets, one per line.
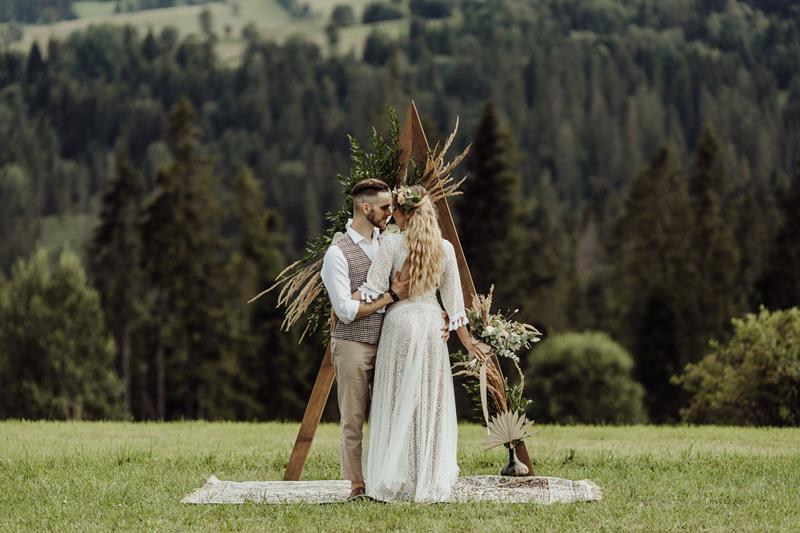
[506, 428]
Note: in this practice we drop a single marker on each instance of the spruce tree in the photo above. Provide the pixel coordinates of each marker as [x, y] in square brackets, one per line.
[183, 263]
[544, 264]
[652, 255]
[150, 49]
[280, 371]
[490, 214]
[716, 253]
[756, 212]
[791, 124]
[36, 65]
[115, 264]
[781, 281]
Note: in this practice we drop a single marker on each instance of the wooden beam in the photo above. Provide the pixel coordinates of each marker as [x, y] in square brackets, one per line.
[311, 418]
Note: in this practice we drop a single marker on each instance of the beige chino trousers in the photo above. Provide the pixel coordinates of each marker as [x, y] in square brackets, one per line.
[354, 366]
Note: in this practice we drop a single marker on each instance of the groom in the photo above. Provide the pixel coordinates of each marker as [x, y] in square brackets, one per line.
[357, 325]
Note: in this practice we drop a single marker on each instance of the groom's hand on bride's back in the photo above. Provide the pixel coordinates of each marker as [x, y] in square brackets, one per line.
[400, 288]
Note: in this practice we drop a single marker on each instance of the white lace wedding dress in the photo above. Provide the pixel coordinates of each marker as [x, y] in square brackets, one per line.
[413, 431]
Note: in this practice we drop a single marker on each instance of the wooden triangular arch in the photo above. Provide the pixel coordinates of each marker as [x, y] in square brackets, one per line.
[413, 144]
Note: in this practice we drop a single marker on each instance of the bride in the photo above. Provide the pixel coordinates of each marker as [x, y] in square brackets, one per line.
[413, 429]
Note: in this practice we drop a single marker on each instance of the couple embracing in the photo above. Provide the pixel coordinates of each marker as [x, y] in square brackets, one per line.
[388, 348]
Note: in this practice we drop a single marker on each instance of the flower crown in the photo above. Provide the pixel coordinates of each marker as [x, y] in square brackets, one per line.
[407, 198]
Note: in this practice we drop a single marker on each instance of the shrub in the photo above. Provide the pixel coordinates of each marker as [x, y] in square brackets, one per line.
[583, 378]
[753, 379]
[56, 356]
[378, 11]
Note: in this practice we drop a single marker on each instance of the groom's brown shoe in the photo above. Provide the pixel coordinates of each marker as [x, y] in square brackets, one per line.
[358, 493]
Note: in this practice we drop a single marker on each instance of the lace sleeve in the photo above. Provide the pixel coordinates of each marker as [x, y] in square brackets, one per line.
[380, 272]
[450, 289]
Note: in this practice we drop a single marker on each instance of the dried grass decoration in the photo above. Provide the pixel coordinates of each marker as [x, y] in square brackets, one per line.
[301, 290]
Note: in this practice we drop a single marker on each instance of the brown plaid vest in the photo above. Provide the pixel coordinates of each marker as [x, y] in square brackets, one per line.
[367, 328]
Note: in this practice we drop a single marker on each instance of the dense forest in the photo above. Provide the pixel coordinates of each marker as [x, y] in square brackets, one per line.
[634, 170]
[35, 11]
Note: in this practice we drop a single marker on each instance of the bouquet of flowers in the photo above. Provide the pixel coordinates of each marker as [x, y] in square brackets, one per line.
[506, 337]
[501, 337]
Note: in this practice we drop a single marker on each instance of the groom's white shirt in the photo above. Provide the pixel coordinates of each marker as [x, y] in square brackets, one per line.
[335, 273]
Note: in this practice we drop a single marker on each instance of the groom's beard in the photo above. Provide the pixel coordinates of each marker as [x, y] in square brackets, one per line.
[379, 223]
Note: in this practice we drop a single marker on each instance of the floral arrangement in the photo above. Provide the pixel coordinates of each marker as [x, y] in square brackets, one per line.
[506, 337]
[406, 198]
[501, 336]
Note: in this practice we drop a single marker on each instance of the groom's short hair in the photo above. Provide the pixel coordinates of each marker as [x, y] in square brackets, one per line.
[367, 188]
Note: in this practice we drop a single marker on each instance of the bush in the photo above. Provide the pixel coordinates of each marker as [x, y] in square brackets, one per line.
[583, 378]
[377, 12]
[56, 356]
[753, 379]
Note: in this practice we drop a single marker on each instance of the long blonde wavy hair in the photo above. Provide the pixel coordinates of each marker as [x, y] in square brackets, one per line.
[424, 242]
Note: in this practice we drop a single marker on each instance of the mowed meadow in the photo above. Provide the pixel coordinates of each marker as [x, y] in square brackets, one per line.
[80, 476]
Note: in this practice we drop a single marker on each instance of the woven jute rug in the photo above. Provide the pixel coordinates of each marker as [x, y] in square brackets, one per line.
[542, 490]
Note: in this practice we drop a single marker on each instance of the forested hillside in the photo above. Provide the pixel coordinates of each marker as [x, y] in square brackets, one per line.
[33, 11]
[645, 154]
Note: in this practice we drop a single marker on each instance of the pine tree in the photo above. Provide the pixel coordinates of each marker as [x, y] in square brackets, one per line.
[652, 252]
[490, 214]
[115, 264]
[716, 253]
[781, 281]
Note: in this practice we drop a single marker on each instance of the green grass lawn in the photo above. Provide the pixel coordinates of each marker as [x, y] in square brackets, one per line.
[125, 476]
